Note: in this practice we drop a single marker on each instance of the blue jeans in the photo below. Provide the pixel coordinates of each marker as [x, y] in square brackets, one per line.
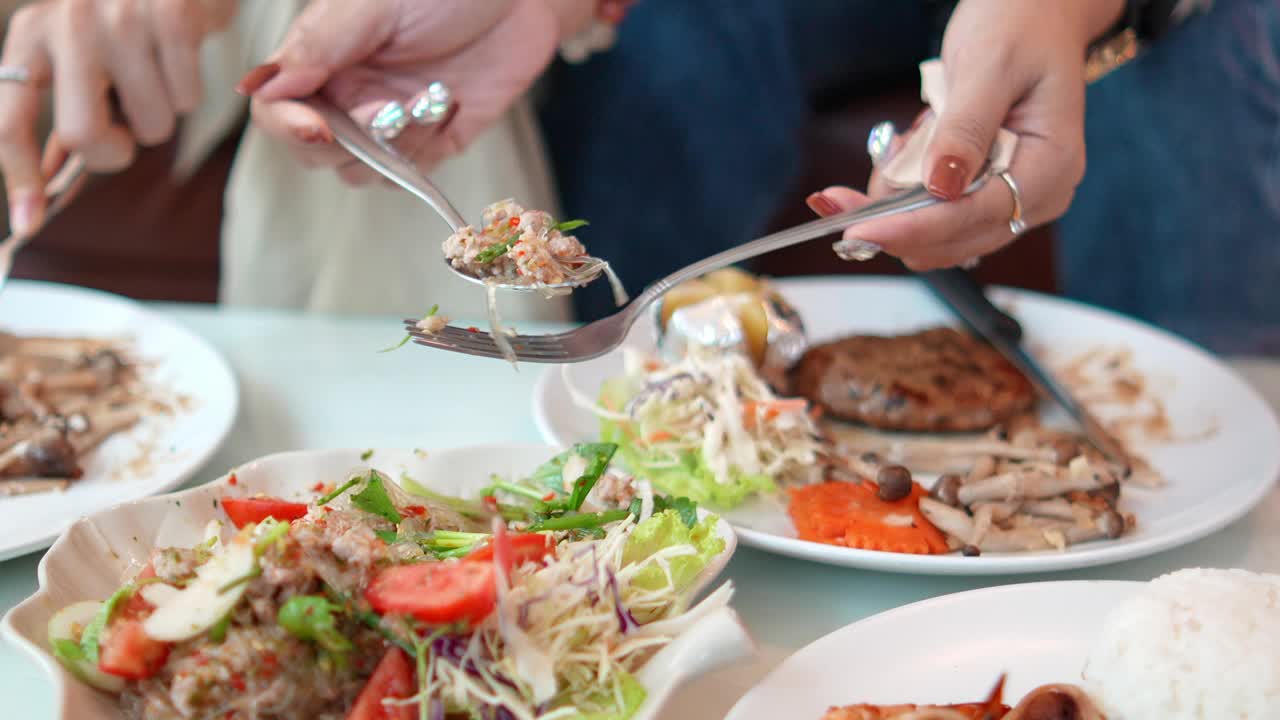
[678, 143]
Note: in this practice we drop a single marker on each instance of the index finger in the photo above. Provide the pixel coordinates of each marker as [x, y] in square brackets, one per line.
[19, 112]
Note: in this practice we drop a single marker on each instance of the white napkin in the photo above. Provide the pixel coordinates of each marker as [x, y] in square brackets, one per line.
[906, 168]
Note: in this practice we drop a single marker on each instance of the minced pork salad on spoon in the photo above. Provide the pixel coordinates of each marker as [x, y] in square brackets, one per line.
[540, 599]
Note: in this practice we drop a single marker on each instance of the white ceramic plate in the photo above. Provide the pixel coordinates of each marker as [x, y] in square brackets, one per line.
[945, 650]
[98, 552]
[1212, 481]
[157, 455]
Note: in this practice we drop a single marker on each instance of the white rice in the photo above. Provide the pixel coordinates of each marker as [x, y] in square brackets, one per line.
[1194, 645]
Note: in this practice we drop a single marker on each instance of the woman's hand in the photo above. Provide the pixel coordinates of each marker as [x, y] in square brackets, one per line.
[365, 54]
[1018, 65]
[144, 52]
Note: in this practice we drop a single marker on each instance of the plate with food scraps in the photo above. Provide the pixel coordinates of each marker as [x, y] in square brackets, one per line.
[902, 444]
[312, 581]
[104, 402]
[1085, 650]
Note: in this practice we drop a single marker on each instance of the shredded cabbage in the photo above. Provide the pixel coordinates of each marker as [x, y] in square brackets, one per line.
[580, 618]
[707, 427]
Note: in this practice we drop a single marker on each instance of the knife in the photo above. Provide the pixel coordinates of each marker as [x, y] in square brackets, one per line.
[962, 293]
[58, 192]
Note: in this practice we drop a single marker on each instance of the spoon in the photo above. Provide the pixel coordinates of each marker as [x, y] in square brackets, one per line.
[393, 166]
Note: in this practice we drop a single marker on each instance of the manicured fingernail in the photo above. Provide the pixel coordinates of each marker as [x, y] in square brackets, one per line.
[312, 135]
[24, 212]
[256, 78]
[948, 178]
[822, 205]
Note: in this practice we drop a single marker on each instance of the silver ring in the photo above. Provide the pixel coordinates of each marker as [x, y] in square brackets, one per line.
[389, 122]
[14, 74]
[433, 106]
[855, 250]
[879, 141]
[1016, 224]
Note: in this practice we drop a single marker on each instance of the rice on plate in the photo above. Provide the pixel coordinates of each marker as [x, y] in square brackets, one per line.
[1194, 645]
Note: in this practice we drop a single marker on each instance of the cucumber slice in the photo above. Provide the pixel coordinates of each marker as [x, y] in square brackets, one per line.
[65, 628]
[214, 592]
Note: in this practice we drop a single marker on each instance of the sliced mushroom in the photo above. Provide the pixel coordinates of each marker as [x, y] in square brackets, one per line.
[947, 489]
[1024, 485]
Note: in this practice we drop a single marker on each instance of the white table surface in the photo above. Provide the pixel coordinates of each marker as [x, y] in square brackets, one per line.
[313, 382]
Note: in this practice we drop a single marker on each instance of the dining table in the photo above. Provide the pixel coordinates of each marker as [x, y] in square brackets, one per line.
[310, 381]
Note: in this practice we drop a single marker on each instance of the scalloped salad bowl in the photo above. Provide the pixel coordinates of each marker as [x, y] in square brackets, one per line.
[93, 557]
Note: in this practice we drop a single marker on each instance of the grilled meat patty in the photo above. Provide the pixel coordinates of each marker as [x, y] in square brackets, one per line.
[938, 379]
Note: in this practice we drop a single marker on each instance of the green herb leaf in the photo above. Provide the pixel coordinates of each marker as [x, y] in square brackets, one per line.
[579, 521]
[311, 617]
[366, 454]
[569, 225]
[245, 578]
[373, 499]
[218, 632]
[684, 507]
[493, 252]
[551, 474]
[387, 536]
[338, 491]
[269, 532]
[92, 631]
[469, 509]
[598, 456]
[407, 337]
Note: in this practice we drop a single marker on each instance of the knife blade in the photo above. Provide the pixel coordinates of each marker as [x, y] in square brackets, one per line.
[962, 293]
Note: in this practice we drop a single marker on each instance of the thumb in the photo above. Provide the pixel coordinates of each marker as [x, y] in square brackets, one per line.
[328, 36]
[975, 108]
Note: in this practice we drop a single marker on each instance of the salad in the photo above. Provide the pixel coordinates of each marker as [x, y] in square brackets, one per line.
[539, 599]
[515, 246]
[707, 427]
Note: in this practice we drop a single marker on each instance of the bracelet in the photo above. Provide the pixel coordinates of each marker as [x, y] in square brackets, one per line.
[599, 35]
[1144, 21]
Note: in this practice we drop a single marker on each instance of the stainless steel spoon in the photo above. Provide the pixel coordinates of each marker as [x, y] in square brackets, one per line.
[391, 165]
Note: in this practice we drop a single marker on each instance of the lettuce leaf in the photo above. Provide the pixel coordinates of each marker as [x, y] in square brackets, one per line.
[631, 692]
[690, 477]
[664, 530]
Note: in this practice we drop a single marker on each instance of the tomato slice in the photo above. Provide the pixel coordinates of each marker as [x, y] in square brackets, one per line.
[392, 679]
[124, 649]
[525, 547]
[246, 510]
[128, 652]
[437, 593]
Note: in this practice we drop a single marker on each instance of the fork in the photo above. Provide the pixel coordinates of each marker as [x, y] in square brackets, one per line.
[58, 192]
[600, 337]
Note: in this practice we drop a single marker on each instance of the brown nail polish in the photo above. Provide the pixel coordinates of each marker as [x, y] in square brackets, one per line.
[822, 205]
[257, 77]
[948, 178]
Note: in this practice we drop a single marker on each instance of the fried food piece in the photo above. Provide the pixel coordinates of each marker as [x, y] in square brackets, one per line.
[935, 380]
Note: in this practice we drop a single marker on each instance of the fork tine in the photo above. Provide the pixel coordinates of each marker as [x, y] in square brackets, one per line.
[549, 342]
[479, 343]
[493, 352]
